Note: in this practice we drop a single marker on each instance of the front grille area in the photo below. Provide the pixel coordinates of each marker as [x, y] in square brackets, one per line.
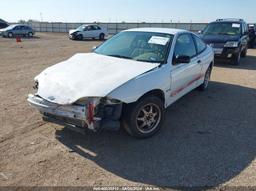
[64, 120]
[218, 45]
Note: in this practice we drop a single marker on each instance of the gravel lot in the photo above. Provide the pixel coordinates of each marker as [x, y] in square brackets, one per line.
[209, 138]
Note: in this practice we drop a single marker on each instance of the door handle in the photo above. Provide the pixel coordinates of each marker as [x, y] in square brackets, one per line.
[199, 61]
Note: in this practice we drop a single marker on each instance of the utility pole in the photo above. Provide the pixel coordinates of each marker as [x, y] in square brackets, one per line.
[41, 16]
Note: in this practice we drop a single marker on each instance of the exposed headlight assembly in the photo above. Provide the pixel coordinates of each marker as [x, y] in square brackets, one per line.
[231, 44]
[36, 85]
[74, 33]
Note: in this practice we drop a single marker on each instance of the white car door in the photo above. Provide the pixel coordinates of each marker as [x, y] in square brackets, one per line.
[184, 76]
[203, 56]
[96, 32]
[88, 32]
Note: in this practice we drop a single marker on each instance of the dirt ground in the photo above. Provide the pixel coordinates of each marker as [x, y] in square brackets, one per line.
[209, 138]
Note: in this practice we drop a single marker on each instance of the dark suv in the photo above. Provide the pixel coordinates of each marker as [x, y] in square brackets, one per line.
[3, 25]
[228, 37]
[252, 35]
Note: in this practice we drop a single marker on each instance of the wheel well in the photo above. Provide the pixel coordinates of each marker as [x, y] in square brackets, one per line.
[158, 93]
[211, 65]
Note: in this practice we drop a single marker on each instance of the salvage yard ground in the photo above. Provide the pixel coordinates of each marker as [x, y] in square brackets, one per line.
[209, 138]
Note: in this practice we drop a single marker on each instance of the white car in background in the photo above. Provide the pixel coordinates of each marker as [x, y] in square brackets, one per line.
[129, 80]
[88, 31]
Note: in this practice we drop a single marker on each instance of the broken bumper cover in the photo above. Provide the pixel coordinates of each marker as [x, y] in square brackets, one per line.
[76, 115]
[69, 114]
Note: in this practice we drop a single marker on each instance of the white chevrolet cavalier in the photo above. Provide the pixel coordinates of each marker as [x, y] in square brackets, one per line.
[127, 81]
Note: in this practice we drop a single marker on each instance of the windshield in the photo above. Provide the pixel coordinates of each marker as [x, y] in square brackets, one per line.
[139, 46]
[223, 29]
[10, 27]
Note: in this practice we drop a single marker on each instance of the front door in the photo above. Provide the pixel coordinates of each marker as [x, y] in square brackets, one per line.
[88, 32]
[184, 76]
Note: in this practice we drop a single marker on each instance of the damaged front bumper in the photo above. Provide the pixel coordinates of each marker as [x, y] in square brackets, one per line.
[104, 116]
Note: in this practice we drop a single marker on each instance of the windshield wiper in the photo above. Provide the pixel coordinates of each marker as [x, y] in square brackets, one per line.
[223, 33]
[139, 60]
[151, 61]
[120, 56]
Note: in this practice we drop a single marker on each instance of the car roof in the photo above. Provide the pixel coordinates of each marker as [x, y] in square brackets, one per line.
[15, 25]
[159, 30]
[86, 25]
[238, 22]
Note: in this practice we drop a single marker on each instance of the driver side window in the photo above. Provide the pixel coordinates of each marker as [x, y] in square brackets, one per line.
[88, 28]
[185, 46]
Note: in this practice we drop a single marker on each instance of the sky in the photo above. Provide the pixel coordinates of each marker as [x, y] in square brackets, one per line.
[127, 10]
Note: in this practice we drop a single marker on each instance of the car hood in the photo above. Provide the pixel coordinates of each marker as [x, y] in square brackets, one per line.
[87, 75]
[218, 38]
[72, 31]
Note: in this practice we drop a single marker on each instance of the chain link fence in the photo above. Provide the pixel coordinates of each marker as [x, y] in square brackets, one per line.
[112, 28]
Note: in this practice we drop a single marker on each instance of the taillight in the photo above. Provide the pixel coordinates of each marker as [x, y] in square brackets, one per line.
[90, 112]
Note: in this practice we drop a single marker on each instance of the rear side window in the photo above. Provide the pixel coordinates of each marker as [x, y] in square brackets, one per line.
[185, 46]
[96, 28]
[200, 45]
[17, 28]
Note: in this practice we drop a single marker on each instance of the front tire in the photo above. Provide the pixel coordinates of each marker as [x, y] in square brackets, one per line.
[244, 53]
[144, 118]
[236, 59]
[79, 37]
[30, 34]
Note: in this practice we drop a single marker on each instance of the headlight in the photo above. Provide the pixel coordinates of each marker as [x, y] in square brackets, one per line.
[87, 100]
[36, 85]
[231, 44]
[74, 33]
[97, 100]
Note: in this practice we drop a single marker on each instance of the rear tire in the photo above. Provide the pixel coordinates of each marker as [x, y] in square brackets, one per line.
[144, 118]
[102, 36]
[207, 78]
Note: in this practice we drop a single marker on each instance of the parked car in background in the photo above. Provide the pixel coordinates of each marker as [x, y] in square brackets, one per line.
[3, 25]
[88, 31]
[252, 35]
[18, 30]
[131, 78]
[228, 37]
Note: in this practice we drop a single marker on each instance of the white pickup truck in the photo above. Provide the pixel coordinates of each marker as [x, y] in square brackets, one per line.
[127, 81]
[88, 31]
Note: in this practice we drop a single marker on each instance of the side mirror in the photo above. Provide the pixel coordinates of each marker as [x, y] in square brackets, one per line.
[182, 59]
[199, 32]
